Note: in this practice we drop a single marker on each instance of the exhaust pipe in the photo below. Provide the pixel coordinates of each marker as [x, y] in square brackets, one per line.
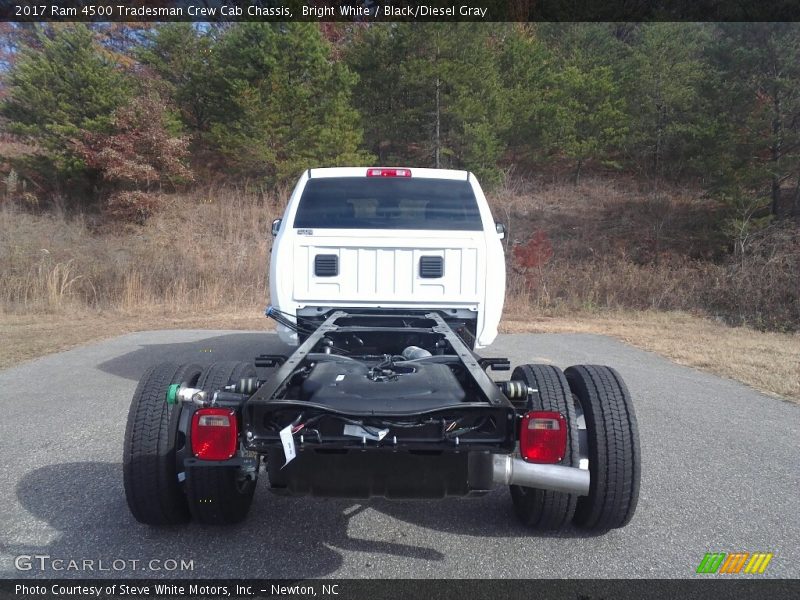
[515, 471]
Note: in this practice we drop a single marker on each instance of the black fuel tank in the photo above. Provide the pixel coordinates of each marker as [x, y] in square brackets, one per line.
[345, 386]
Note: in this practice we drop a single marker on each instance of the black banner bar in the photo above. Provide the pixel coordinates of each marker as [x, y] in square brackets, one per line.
[732, 588]
[397, 10]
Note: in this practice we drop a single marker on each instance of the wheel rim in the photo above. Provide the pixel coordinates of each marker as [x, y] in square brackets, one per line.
[583, 434]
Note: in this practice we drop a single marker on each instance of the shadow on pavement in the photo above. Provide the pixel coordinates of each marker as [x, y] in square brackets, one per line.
[282, 537]
[231, 346]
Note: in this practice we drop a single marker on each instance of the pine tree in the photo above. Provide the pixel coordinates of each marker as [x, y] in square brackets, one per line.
[664, 76]
[282, 104]
[760, 65]
[430, 95]
[565, 99]
[180, 55]
[528, 72]
[59, 89]
[587, 114]
[375, 55]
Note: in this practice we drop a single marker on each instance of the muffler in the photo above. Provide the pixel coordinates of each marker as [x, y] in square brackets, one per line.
[515, 471]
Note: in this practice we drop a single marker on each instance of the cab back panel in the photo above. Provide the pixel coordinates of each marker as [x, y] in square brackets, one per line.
[371, 270]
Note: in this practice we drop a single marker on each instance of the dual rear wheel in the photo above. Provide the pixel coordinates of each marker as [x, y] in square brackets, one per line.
[157, 491]
[602, 436]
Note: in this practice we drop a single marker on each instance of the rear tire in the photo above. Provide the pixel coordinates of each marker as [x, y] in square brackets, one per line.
[220, 495]
[149, 466]
[544, 509]
[614, 454]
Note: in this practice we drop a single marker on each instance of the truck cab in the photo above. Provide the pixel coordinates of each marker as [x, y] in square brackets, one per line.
[390, 240]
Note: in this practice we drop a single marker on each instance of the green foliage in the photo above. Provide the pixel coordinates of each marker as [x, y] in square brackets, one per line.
[717, 104]
[430, 95]
[180, 56]
[60, 88]
[760, 63]
[564, 102]
[664, 75]
[587, 114]
[112, 115]
[528, 76]
[287, 104]
[379, 94]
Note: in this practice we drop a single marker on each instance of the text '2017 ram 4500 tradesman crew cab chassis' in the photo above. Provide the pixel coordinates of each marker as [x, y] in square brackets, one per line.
[386, 280]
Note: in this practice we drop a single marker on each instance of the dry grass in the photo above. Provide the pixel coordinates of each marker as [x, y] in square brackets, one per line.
[769, 362]
[10, 147]
[68, 280]
[202, 252]
[610, 245]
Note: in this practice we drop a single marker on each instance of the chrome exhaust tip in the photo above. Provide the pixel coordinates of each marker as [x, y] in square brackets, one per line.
[515, 471]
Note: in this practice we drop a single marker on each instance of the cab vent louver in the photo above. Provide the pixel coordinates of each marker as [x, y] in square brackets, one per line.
[326, 265]
[431, 267]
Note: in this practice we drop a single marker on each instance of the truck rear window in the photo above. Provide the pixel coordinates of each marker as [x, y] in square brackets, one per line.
[388, 203]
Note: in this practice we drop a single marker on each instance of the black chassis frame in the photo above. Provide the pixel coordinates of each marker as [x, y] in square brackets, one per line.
[485, 400]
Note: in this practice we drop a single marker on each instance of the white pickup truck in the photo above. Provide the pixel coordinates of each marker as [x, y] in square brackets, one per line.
[389, 239]
[386, 279]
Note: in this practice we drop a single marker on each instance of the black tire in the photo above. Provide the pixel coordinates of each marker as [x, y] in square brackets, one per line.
[547, 510]
[614, 454]
[220, 495]
[149, 466]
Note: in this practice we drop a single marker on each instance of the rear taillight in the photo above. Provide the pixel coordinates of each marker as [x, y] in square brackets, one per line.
[215, 434]
[388, 172]
[543, 437]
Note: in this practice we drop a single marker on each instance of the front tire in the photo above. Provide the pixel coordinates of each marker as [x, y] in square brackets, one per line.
[547, 510]
[614, 454]
[149, 468]
[220, 495]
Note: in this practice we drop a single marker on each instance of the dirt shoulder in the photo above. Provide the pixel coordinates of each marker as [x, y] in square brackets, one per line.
[769, 362]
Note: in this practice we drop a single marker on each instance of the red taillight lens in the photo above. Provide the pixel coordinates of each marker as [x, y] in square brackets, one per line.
[543, 437]
[388, 172]
[215, 434]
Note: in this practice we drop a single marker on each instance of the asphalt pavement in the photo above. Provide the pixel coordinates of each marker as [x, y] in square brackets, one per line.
[720, 473]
